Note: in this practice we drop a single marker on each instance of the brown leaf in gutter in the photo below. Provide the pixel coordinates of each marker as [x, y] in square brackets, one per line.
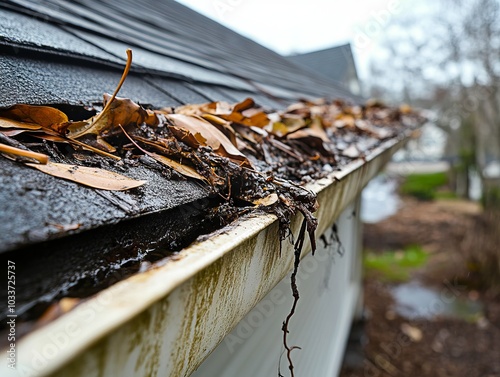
[215, 108]
[121, 111]
[252, 118]
[266, 201]
[288, 123]
[11, 133]
[315, 130]
[57, 309]
[379, 133]
[185, 170]
[224, 126]
[405, 109]
[193, 139]
[10, 123]
[28, 116]
[314, 136]
[344, 120]
[242, 113]
[299, 108]
[246, 104]
[117, 111]
[213, 137]
[92, 177]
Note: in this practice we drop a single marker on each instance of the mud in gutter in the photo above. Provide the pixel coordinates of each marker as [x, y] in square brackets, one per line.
[83, 264]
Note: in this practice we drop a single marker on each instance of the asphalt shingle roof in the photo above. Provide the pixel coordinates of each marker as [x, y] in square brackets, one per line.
[168, 40]
[62, 52]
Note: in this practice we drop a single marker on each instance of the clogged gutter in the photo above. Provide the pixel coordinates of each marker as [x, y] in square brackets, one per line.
[251, 159]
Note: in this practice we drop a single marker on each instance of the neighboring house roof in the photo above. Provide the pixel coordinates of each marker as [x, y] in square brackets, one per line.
[335, 63]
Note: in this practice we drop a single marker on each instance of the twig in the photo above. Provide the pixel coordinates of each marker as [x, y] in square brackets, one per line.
[122, 80]
[298, 249]
[41, 158]
[87, 129]
[93, 149]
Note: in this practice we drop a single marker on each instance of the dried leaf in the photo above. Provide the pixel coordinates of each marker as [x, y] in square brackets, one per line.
[243, 113]
[224, 126]
[405, 109]
[57, 309]
[379, 133]
[279, 129]
[414, 333]
[255, 119]
[93, 177]
[10, 123]
[344, 120]
[299, 108]
[185, 170]
[194, 140]
[315, 138]
[121, 111]
[117, 111]
[214, 138]
[315, 130]
[266, 201]
[180, 168]
[12, 133]
[247, 103]
[44, 116]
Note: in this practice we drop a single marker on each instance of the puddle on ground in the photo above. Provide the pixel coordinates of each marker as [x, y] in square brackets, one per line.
[379, 199]
[413, 300]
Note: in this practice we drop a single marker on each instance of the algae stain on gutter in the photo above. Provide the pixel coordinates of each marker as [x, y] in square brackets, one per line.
[216, 296]
[194, 337]
[270, 249]
[150, 353]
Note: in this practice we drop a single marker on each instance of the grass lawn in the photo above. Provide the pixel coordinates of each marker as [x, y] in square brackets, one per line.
[395, 266]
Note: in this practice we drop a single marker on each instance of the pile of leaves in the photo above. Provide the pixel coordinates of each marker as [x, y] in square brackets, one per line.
[249, 157]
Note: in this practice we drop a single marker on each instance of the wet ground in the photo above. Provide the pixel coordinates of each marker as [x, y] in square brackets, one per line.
[425, 317]
[380, 199]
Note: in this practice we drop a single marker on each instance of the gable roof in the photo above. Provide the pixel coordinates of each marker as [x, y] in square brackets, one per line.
[336, 63]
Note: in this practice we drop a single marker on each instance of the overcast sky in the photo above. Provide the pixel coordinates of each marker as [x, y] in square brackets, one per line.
[301, 26]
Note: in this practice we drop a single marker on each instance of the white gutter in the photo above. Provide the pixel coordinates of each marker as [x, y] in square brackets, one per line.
[166, 321]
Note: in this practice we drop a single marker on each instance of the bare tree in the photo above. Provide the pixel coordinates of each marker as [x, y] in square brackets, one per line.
[447, 58]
